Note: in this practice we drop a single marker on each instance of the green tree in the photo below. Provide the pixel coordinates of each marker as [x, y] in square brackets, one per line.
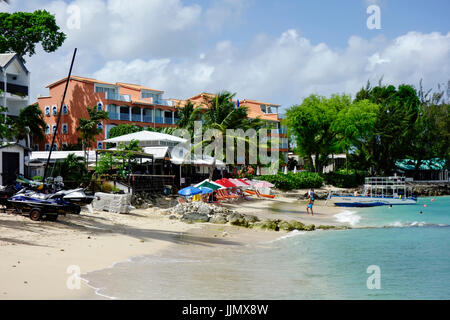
[21, 31]
[394, 128]
[354, 126]
[89, 129]
[123, 129]
[220, 115]
[187, 116]
[73, 168]
[311, 123]
[29, 125]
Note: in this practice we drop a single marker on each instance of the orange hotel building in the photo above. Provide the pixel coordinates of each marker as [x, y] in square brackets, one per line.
[127, 103]
[124, 102]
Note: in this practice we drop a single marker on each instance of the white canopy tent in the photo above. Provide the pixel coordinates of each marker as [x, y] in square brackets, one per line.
[148, 138]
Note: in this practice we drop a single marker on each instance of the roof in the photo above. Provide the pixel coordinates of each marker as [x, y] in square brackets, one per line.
[145, 135]
[59, 155]
[7, 58]
[92, 80]
[5, 144]
[157, 152]
[136, 86]
[81, 79]
[260, 102]
[432, 164]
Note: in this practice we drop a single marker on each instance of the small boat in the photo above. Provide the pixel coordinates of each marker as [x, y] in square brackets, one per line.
[41, 205]
[378, 191]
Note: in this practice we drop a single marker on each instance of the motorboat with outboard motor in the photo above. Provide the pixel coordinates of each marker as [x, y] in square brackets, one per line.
[38, 205]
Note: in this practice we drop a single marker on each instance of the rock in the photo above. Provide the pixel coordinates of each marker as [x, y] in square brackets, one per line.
[237, 219]
[267, 225]
[218, 219]
[325, 227]
[286, 226]
[173, 217]
[297, 225]
[250, 218]
[310, 227]
[194, 217]
[204, 208]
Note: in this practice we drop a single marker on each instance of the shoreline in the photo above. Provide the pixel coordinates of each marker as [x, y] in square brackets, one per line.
[37, 254]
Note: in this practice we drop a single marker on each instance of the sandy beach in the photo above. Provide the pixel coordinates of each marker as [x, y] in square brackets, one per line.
[39, 258]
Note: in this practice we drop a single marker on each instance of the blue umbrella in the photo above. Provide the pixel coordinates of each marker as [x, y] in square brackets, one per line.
[206, 190]
[189, 191]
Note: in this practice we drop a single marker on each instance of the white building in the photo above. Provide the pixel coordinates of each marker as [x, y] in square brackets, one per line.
[14, 83]
[14, 95]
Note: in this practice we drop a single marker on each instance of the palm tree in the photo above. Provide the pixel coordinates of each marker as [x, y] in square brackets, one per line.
[89, 129]
[188, 115]
[73, 168]
[29, 125]
[222, 114]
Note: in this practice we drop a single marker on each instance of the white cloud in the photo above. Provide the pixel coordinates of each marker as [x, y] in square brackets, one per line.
[161, 44]
[286, 69]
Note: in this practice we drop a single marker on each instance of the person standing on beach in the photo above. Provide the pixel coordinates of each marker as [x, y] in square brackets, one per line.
[310, 201]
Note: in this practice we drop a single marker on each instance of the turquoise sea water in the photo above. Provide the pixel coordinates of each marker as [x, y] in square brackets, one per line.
[412, 252]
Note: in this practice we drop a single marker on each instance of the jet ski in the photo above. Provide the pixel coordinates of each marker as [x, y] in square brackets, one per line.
[38, 205]
[76, 196]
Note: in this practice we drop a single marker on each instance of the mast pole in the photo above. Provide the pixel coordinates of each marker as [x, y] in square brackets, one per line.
[59, 116]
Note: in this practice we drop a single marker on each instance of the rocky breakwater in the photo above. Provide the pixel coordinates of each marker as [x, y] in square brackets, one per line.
[193, 212]
[430, 189]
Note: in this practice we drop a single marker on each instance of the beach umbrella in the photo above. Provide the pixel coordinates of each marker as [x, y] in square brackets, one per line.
[225, 182]
[206, 190]
[264, 184]
[189, 191]
[238, 183]
[209, 184]
[245, 181]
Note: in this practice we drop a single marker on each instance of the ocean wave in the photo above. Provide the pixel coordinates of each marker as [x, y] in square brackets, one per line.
[290, 234]
[399, 224]
[96, 290]
[348, 216]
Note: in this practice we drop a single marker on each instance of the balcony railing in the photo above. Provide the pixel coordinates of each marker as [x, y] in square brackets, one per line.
[125, 116]
[118, 97]
[163, 102]
[148, 119]
[168, 120]
[14, 88]
[113, 116]
[136, 117]
[159, 120]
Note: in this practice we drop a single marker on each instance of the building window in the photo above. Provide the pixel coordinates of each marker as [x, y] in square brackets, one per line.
[53, 128]
[64, 128]
[65, 110]
[54, 110]
[47, 147]
[100, 126]
[47, 110]
[99, 106]
[55, 147]
[47, 129]
[99, 145]
[64, 146]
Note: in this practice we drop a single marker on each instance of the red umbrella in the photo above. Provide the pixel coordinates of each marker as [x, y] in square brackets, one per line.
[243, 181]
[225, 182]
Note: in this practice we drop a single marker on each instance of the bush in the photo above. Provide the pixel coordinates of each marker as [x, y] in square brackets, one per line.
[300, 180]
[37, 178]
[342, 180]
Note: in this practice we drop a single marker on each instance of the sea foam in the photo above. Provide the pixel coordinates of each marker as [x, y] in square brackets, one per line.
[347, 216]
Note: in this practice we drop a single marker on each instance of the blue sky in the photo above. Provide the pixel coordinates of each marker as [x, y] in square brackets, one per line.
[277, 51]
